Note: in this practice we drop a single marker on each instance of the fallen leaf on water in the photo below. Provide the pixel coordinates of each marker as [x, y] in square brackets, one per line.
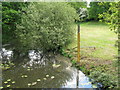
[47, 75]
[52, 77]
[38, 80]
[44, 78]
[25, 76]
[1, 87]
[56, 66]
[29, 84]
[9, 80]
[22, 76]
[13, 82]
[8, 85]
[34, 83]
[5, 82]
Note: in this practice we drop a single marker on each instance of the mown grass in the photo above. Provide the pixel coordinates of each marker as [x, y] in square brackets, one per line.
[98, 53]
[96, 35]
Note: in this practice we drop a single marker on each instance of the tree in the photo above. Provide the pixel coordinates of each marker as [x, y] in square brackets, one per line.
[97, 8]
[11, 14]
[46, 26]
[78, 5]
[112, 18]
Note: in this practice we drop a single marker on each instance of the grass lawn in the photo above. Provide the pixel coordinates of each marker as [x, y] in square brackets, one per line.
[98, 52]
[96, 40]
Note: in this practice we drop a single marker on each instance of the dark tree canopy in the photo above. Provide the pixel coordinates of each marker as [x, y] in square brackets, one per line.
[97, 8]
[11, 14]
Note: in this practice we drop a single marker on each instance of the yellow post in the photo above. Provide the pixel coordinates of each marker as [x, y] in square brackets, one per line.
[78, 38]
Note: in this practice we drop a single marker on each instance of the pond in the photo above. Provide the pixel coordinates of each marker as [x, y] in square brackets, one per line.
[44, 71]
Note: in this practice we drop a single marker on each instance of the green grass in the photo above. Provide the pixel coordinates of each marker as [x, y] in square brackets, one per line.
[98, 35]
[97, 52]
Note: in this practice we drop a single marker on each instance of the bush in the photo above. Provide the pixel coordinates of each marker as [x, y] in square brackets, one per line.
[46, 26]
[107, 80]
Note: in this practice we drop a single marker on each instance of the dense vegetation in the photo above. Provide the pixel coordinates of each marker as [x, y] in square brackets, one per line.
[50, 27]
[97, 8]
[11, 14]
[46, 26]
[98, 54]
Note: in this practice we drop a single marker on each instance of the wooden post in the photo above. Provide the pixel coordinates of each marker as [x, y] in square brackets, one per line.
[78, 38]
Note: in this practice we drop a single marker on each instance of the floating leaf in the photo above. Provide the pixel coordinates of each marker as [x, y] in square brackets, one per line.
[29, 84]
[13, 82]
[22, 76]
[47, 75]
[56, 66]
[34, 83]
[38, 80]
[8, 85]
[5, 82]
[1, 87]
[52, 77]
[9, 80]
[25, 76]
[44, 78]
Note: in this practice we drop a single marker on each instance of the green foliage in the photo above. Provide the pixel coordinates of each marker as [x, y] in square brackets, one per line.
[97, 8]
[78, 5]
[81, 9]
[65, 53]
[11, 14]
[46, 26]
[112, 17]
[107, 80]
[73, 62]
[70, 56]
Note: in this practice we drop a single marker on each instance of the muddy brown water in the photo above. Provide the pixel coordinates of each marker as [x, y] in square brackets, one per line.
[48, 72]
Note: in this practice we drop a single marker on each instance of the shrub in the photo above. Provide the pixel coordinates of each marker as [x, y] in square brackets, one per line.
[107, 80]
[46, 26]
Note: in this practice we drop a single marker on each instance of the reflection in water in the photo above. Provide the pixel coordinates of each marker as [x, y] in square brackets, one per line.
[77, 85]
[6, 54]
[45, 71]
